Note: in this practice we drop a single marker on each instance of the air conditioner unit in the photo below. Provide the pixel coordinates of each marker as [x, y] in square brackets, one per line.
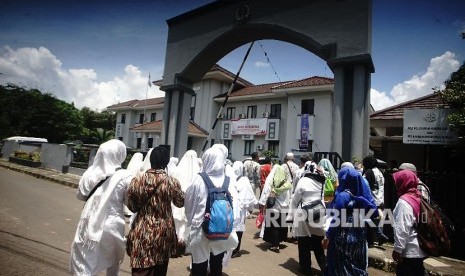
[259, 147]
[265, 114]
[242, 116]
[221, 116]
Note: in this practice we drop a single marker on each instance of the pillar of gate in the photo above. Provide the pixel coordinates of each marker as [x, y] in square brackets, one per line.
[175, 120]
[351, 129]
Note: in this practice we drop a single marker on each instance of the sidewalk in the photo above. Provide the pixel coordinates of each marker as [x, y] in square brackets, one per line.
[378, 257]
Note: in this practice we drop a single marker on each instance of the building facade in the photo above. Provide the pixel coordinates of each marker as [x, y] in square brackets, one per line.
[275, 108]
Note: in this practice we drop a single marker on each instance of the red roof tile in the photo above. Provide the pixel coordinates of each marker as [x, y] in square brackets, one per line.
[139, 103]
[269, 87]
[156, 126]
[397, 111]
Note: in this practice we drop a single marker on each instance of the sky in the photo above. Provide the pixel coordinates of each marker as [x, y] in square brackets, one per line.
[98, 53]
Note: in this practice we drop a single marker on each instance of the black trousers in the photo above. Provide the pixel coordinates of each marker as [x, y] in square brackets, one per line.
[239, 237]
[216, 266]
[155, 270]
[411, 267]
[307, 244]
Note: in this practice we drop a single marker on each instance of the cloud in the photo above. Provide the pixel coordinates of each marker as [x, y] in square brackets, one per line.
[39, 68]
[261, 64]
[438, 71]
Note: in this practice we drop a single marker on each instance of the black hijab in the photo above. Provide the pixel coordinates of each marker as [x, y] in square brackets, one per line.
[159, 158]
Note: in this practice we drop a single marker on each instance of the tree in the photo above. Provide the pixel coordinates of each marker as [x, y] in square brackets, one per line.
[454, 95]
[29, 112]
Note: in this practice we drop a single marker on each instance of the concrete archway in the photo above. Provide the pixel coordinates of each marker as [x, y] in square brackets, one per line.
[337, 31]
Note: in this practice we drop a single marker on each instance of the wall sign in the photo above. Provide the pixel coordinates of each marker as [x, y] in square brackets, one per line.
[248, 127]
[427, 126]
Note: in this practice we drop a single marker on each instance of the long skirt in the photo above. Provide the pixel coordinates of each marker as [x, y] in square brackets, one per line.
[347, 252]
[275, 233]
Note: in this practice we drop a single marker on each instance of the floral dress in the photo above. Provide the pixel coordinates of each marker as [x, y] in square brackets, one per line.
[152, 238]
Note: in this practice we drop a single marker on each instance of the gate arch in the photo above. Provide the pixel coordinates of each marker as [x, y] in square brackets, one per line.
[337, 31]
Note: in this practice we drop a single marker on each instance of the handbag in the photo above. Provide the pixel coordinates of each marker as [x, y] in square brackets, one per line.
[259, 220]
[329, 187]
[315, 208]
[271, 200]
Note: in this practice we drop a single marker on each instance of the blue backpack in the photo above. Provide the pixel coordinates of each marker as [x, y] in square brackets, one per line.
[218, 220]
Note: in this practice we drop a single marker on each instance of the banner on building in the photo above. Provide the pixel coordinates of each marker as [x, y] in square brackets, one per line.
[249, 127]
[304, 128]
[427, 126]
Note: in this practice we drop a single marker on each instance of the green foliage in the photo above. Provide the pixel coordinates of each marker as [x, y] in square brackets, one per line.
[32, 156]
[31, 113]
[454, 95]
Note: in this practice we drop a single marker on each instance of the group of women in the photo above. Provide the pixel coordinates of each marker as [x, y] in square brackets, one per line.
[154, 190]
[347, 248]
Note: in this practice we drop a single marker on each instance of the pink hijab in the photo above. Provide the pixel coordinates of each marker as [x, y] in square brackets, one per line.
[406, 184]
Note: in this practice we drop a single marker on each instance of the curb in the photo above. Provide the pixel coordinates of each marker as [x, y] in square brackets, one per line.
[40, 175]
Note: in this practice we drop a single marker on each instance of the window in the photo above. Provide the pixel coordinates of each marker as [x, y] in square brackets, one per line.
[123, 118]
[228, 144]
[252, 111]
[120, 138]
[308, 107]
[272, 130]
[230, 113]
[150, 143]
[192, 110]
[274, 147]
[141, 118]
[226, 131]
[153, 117]
[189, 142]
[275, 111]
[248, 147]
[138, 143]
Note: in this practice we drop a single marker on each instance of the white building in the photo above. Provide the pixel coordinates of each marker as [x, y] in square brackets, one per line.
[275, 108]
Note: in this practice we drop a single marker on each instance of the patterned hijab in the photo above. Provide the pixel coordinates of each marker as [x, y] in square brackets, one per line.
[406, 183]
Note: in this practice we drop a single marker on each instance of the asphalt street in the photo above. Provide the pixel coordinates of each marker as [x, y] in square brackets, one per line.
[38, 220]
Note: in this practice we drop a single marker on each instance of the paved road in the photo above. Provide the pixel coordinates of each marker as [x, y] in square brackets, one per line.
[38, 219]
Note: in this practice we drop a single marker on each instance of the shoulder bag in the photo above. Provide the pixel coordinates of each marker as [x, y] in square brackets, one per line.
[316, 208]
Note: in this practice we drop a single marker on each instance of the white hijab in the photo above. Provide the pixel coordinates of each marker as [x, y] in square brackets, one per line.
[110, 155]
[187, 168]
[244, 190]
[213, 165]
[135, 164]
[147, 165]
[171, 167]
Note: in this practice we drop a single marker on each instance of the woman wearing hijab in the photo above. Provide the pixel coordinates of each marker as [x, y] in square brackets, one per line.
[277, 185]
[347, 245]
[171, 167]
[185, 172]
[243, 203]
[135, 167]
[331, 178]
[152, 238]
[206, 252]
[135, 164]
[98, 244]
[309, 236]
[407, 253]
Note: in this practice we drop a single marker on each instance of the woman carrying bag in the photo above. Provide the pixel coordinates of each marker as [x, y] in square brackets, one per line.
[309, 233]
[276, 197]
